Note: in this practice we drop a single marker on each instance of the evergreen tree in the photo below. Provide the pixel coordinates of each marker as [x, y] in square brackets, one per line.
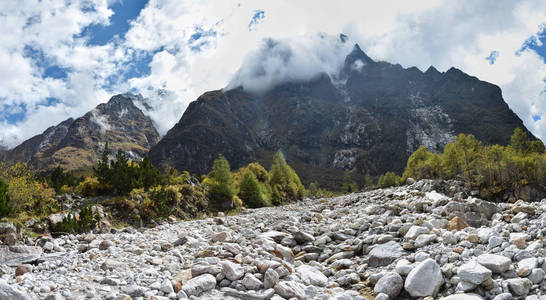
[285, 183]
[4, 199]
[519, 141]
[250, 191]
[349, 186]
[221, 191]
[102, 170]
[313, 189]
[368, 181]
[149, 175]
[124, 177]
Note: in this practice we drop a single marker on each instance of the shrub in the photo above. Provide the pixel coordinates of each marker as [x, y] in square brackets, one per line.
[388, 179]
[91, 187]
[70, 224]
[59, 180]
[25, 192]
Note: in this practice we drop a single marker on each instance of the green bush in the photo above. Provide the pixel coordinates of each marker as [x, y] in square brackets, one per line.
[86, 222]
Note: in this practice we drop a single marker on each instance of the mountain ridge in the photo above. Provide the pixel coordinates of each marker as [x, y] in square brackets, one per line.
[76, 143]
[369, 119]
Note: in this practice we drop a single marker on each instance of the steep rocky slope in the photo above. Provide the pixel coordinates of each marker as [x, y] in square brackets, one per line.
[426, 239]
[76, 144]
[368, 119]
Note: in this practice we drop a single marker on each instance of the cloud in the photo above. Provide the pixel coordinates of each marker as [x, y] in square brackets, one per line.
[294, 59]
[176, 50]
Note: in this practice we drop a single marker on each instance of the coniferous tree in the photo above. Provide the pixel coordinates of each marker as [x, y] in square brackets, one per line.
[349, 186]
[102, 170]
[149, 175]
[221, 191]
[285, 183]
[250, 190]
[4, 199]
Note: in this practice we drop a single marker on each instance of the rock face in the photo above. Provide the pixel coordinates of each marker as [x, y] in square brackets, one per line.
[76, 144]
[370, 119]
[262, 260]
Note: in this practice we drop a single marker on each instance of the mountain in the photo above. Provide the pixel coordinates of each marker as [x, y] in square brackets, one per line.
[368, 120]
[77, 144]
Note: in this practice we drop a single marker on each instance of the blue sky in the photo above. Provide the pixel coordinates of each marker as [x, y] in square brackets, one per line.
[61, 59]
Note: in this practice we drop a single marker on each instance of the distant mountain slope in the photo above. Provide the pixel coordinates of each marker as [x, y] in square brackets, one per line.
[76, 144]
[369, 120]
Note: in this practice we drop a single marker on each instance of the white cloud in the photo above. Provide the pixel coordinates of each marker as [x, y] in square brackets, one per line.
[199, 46]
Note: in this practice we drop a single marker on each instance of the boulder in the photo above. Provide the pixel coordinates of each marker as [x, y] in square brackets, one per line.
[232, 271]
[425, 279]
[14, 256]
[8, 292]
[202, 283]
[390, 284]
[473, 272]
[385, 254]
[519, 286]
[495, 263]
[311, 276]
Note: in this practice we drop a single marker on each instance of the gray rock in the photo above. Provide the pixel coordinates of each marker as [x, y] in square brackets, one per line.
[290, 289]
[311, 276]
[495, 263]
[462, 297]
[425, 279]
[390, 284]
[271, 277]
[403, 267]
[474, 273]
[302, 237]
[166, 287]
[525, 266]
[261, 295]
[8, 292]
[385, 254]
[251, 282]
[199, 284]
[415, 231]
[536, 276]
[519, 286]
[18, 255]
[503, 296]
[232, 271]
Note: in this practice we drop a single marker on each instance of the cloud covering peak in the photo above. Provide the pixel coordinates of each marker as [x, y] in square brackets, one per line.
[290, 59]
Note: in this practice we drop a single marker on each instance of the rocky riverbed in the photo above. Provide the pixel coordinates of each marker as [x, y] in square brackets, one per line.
[426, 240]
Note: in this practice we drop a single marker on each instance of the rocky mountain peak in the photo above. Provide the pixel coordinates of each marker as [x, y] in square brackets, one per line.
[369, 120]
[77, 143]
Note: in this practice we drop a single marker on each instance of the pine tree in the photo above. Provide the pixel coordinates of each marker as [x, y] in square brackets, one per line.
[221, 191]
[285, 182]
[4, 199]
[250, 191]
[149, 175]
[102, 170]
[349, 186]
